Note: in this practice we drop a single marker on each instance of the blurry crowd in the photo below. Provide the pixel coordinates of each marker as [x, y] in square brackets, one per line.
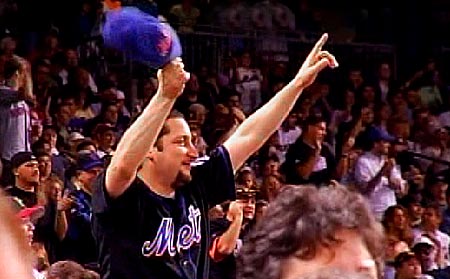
[61, 118]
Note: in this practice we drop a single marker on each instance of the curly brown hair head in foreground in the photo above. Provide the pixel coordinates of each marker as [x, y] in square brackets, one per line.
[301, 221]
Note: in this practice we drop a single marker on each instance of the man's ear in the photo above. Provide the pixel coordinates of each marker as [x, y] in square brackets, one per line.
[152, 153]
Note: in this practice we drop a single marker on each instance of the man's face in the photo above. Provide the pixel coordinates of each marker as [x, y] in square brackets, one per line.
[233, 101]
[45, 165]
[318, 131]
[111, 114]
[355, 77]
[107, 139]
[88, 177]
[351, 254]
[64, 114]
[174, 160]
[425, 254]
[28, 172]
[369, 93]
[28, 229]
[249, 207]
[198, 114]
[415, 211]
[72, 58]
[410, 269]
[50, 136]
[430, 218]
[271, 168]
[438, 190]
[399, 220]
[367, 115]
[42, 75]
[382, 147]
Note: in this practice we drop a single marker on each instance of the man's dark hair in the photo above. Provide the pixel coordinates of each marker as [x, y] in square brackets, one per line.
[66, 270]
[165, 129]
[299, 221]
[83, 144]
[314, 119]
[38, 146]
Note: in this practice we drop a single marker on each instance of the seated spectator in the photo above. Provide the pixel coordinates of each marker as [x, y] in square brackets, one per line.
[431, 220]
[407, 266]
[248, 83]
[426, 253]
[309, 160]
[393, 248]
[270, 187]
[185, 16]
[72, 62]
[445, 225]
[78, 245]
[246, 179]
[234, 15]
[396, 224]
[106, 139]
[290, 131]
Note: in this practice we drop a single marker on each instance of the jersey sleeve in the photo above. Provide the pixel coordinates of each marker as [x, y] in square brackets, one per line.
[216, 176]
[101, 201]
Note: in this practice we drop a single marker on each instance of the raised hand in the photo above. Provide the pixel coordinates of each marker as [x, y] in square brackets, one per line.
[316, 61]
[173, 78]
[235, 211]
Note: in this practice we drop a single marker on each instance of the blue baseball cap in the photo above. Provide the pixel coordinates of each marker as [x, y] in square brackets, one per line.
[89, 161]
[376, 134]
[141, 37]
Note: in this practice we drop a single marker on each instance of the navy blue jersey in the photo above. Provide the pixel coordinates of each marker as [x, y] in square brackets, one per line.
[143, 235]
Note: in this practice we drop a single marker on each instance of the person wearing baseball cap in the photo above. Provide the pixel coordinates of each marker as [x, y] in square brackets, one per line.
[407, 266]
[26, 173]
[27, 215]
[378, 176]
[78, 244]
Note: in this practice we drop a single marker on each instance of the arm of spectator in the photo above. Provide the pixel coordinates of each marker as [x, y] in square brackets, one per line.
[342, 167]
[305, 169]
[257, 128]
[225, 244]
[63, 204]
[396, 182]
[365, 181]
[142, 134]
[61, 224]
[343, 164]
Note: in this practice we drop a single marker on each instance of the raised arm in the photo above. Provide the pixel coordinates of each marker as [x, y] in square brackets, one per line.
[256, 129]
[141, 135]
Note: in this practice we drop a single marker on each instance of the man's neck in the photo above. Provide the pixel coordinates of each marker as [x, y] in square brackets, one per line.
[150, 180]
[24, 186]
[309, 141]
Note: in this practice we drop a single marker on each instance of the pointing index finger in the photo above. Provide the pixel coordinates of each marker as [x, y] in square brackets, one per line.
[318, 46]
